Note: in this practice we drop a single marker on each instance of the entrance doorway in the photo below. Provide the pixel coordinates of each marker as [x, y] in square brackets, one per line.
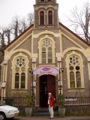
[47, 84]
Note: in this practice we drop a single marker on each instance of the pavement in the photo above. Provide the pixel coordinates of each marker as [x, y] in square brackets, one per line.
[56, 118]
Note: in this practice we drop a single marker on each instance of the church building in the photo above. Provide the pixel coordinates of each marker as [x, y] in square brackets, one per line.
[46, 57]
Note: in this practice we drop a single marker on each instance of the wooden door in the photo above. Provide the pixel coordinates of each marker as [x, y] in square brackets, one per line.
[51, 86]
[47, 84]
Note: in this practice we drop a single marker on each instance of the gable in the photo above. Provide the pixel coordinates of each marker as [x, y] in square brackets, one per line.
[67, 43]
[70, 39]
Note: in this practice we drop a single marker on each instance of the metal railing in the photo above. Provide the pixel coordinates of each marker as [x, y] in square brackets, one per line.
[15, 101]
[20, 101]
[77, 101]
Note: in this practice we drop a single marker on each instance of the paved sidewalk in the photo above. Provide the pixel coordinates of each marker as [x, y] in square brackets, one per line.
[56, 118]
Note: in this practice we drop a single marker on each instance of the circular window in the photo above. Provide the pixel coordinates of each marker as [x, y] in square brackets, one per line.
[71, 67]
[77, 68]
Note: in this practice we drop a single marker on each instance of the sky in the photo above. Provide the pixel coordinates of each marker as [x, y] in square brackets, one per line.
[11, 8]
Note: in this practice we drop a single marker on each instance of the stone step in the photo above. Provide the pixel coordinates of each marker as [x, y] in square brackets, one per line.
[43, 112]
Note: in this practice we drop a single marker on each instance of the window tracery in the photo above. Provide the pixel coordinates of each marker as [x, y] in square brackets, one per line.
[75, 71]
[46, 51]
[20, 73]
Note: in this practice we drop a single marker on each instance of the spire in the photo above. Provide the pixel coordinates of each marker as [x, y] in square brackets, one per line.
[45, 1]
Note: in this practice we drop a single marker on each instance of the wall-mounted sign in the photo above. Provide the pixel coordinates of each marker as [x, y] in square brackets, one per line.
[46, 70]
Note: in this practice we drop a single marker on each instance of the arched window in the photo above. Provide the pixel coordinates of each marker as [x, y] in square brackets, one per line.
[50, 17]
[43, 55]
[20, 73]
[41, 18]
[22, 80]
[16, 80]
[46, 51]
[74, 71]
[49, 54]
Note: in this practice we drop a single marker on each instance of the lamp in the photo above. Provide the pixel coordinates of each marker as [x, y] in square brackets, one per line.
[31, 70]
[61, 70]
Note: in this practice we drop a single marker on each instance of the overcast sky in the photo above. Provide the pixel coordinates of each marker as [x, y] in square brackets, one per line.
[11, 8]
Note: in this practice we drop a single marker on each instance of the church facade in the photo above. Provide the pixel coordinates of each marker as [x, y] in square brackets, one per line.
[47, 57]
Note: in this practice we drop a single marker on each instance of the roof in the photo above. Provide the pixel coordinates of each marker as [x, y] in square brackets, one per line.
[59, 24]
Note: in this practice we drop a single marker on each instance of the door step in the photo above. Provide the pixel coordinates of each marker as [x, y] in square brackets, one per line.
[43, 112]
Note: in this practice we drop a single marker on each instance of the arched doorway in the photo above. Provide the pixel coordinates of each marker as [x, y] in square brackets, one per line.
[47, 84]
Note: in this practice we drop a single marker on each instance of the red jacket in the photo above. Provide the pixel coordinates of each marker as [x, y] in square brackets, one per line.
[51, 101]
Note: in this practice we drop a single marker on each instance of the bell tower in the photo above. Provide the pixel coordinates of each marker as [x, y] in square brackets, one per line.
[46, 14]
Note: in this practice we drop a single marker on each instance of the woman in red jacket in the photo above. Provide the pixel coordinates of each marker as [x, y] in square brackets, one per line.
[51, 104]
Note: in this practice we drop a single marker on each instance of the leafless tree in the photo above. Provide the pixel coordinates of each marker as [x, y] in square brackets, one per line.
[26, 22]
[81, 21]
[16, 27]
[2, 38]
[30, 18]
[7, 35]
[23, 25]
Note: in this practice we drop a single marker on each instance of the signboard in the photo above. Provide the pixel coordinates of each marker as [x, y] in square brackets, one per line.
[46, 70]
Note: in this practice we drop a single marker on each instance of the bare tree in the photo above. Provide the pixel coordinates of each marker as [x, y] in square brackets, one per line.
[7, 34]
[87, 23]
[15, 29]
[30, 18]
[2, 40]
[18, 26]
[23, 25]
[81, 21]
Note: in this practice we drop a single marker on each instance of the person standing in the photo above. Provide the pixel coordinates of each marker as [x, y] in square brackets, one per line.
[51, 104]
